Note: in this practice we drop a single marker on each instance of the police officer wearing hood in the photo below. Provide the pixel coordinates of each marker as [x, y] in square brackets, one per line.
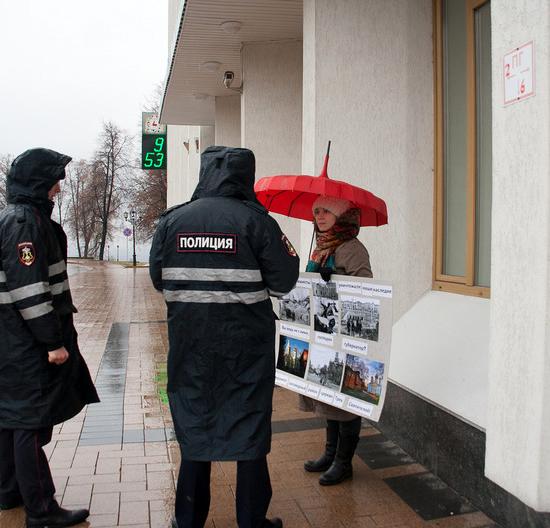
[43, 378]
[217, 259]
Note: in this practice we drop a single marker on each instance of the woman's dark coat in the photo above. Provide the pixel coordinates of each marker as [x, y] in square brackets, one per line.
[217, 259]
[36, 309]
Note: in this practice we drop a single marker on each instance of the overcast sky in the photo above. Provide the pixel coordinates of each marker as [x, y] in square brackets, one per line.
[68, 65]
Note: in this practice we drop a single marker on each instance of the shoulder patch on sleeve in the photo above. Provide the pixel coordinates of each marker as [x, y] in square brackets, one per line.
[26, 253]
[288, 246]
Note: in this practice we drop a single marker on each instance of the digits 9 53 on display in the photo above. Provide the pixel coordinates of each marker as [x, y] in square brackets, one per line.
[153, 143]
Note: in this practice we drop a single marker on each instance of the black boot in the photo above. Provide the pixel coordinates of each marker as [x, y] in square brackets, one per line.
[273, 523]
[327, 458]
[341, 469]
[59, 518]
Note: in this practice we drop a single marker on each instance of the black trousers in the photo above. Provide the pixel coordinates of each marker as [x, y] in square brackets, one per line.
[193, 493]
[24, 470]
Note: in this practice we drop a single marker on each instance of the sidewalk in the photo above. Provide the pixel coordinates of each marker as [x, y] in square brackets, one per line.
[119, 458]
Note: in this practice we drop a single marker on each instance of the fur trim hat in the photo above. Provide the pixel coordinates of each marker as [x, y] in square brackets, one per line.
[336, 206]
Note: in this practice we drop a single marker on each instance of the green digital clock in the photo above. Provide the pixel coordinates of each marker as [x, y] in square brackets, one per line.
[153, 151]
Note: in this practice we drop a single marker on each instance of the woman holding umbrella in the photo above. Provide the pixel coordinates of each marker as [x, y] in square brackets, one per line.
[337, 209]
[337, 250]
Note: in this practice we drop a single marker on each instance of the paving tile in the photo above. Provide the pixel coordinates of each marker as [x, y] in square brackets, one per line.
[155, 435]
[84, 460]
[107, 440]
[161, 505]
[101, 521]
[155, 459]
[132, 436]
[92, 479]
[134, 496]
[105, 503]
[166, 466]
[106, 487]
[107, 465]
[133, 473]
[132, 513]
[159, 480]
[158, 449]
[76, 495]
[160, 519]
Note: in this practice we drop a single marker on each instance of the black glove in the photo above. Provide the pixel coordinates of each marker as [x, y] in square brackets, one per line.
[325, 273]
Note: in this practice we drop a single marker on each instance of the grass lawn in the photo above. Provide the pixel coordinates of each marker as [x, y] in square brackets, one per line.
[161, 379]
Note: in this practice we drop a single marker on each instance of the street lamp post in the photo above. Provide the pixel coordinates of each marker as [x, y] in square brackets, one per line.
[117, 252]
[133, 220]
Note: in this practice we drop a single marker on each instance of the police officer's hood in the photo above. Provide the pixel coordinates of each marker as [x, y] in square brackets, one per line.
[33, 174]
[227, 172]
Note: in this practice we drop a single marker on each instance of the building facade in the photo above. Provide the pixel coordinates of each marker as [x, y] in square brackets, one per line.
[442, 108]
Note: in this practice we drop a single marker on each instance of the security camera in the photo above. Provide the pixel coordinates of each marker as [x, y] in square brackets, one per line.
[228, 78]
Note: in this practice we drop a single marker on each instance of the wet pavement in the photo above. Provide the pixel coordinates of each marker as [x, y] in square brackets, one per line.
[119, 459]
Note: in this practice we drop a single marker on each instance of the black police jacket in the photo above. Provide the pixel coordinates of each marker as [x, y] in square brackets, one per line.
[217, 259]
[36, 309]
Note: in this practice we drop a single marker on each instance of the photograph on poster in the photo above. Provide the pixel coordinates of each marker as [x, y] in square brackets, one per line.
[363, 378]
[360, 318]
[325, 289]
[326, 367]
[293, 355]
[294, 306]
[325, 315]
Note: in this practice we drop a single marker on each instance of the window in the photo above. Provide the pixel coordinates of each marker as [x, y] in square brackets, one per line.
[463, 146]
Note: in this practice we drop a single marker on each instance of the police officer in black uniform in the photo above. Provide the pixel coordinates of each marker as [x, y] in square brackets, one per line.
[217, 259]
[43, 378]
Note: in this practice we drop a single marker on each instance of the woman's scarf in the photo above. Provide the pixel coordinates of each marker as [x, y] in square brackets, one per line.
[345, 228]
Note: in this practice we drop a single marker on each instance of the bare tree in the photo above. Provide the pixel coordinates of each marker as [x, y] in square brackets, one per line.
[111, 162]
[148, 193]
[155, 99]
[61, 202]
[5, 164]
[81, 217]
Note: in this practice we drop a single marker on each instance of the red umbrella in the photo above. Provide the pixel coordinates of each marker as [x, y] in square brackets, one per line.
[293, 195]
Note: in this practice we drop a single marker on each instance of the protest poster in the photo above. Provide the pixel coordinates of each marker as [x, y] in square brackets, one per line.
[333, 341]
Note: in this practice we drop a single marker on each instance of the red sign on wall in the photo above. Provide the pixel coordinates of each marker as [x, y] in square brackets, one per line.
[519, 73]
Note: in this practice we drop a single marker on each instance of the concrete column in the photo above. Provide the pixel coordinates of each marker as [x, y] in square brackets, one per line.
[368, 87]
[271, 109]
[207, 137]
[518, 429]
[228, 121]
[177, 164]
[185, 144]
[271, 112]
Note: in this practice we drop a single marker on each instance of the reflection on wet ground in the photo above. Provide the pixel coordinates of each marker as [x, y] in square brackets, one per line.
[74, 269]
[104, 421]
